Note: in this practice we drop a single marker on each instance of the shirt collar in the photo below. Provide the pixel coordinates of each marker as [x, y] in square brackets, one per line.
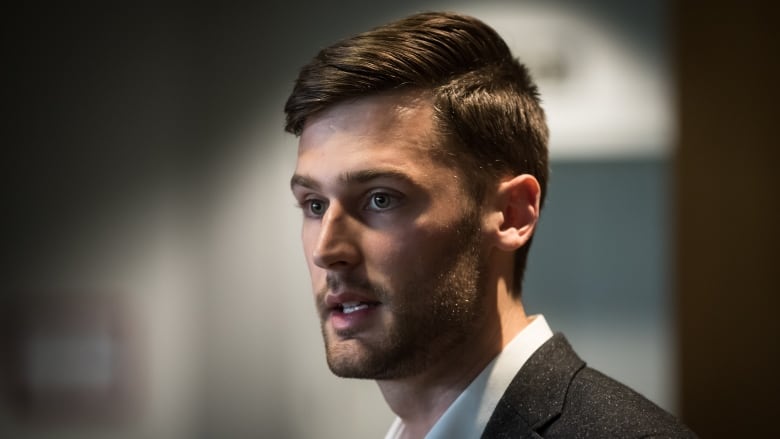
[468, 415]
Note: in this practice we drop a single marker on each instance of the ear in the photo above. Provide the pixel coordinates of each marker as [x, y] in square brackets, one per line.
[515, 212]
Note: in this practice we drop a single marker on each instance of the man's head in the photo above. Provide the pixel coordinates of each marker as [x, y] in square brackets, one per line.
[486, 107]
[421, 164]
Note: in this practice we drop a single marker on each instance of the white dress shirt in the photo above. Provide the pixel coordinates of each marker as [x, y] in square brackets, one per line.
[468, 415]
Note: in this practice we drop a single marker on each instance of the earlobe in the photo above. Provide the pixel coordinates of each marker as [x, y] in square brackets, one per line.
[518, 201]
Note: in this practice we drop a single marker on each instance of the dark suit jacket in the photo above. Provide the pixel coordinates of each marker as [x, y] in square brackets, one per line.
[554, 395]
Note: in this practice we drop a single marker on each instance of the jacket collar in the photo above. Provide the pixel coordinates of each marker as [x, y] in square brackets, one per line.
[537, 393]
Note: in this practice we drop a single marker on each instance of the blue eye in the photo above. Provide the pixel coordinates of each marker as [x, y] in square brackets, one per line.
[315, 208]
[382, 201]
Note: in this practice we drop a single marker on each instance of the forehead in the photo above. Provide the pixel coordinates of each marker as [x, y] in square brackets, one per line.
[391, 130]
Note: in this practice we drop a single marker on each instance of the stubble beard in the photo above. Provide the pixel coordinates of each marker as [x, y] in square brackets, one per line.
[433, 315]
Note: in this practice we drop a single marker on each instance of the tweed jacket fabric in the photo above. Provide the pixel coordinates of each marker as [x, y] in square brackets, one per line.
[555, 395]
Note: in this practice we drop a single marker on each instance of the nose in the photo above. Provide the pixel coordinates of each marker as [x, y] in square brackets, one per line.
[336, 248]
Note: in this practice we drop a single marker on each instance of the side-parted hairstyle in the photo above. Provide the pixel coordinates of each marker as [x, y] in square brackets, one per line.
[486, 106]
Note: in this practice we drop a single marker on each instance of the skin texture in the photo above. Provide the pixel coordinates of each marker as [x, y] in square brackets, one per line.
[387, 226]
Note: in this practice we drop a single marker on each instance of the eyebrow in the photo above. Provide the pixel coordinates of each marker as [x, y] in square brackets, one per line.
[303, 181]
[362, 176]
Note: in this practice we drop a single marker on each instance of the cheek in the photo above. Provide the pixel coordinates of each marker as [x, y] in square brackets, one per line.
[385, 256]
[406, 255]
[317, 276]
[309, 236]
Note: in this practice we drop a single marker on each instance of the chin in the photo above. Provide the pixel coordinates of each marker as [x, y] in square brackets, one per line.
[353, 358]
[362, 371]
[349, 359]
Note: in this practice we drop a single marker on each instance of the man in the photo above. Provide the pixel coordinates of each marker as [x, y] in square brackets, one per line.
[421, 172]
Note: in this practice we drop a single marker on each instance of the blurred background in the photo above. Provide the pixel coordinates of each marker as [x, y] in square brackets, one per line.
[154, 285]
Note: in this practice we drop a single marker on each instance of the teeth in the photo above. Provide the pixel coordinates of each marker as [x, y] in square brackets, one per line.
[350, 307]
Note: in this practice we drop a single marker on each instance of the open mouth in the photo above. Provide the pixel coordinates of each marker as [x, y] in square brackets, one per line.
[351, 307]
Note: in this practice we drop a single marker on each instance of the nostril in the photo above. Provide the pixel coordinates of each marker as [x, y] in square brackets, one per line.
[334, 259]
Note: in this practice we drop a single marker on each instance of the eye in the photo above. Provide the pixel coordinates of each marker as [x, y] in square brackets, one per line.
[314, 208]
[382, 201]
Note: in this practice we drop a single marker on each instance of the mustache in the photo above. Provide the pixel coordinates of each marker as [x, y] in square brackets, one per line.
[339, 282]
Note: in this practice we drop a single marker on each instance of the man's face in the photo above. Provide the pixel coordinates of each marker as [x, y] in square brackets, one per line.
[391, 239]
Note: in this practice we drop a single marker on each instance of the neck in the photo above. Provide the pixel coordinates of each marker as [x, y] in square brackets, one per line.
[420, 400]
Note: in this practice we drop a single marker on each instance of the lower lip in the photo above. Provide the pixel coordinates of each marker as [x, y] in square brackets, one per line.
[353, 321]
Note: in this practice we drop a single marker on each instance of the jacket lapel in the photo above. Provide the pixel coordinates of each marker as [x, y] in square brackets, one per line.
[536, 395]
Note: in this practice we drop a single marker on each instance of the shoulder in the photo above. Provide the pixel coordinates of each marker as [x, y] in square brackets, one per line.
[555, 395]
[598, 406]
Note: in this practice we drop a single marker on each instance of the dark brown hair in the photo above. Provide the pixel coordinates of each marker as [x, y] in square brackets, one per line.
[486, 105]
